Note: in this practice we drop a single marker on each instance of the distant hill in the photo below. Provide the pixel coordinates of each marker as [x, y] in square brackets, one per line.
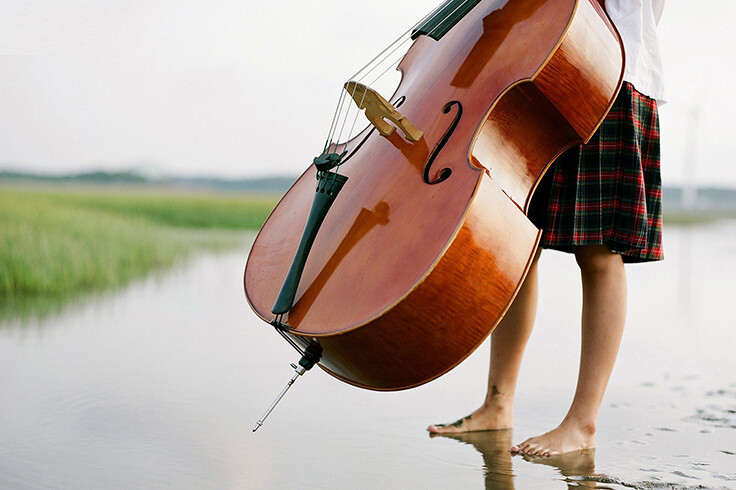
[704, 198]
[674, 199]
[265, 184]
[90, 177]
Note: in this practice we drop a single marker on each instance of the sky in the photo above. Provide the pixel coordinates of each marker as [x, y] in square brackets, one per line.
[243, 88]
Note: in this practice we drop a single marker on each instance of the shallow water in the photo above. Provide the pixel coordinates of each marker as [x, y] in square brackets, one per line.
[159, 385]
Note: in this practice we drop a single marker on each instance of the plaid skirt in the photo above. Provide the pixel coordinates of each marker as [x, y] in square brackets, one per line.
[608, 191]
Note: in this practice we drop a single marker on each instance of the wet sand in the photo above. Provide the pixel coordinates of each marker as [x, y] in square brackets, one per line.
[160, 385]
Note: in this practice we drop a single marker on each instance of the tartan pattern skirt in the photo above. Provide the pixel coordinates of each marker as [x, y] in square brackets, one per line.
[608, 191]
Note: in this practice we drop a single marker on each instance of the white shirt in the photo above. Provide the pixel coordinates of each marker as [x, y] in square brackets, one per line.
[636, 21]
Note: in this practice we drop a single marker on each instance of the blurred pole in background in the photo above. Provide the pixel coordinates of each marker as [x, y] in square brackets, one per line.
[690, 186]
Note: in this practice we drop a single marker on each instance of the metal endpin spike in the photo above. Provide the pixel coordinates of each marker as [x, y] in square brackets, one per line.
[299, 370]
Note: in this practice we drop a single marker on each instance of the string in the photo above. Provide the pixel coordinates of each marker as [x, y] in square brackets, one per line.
[342, 96]
[464, 3]
[374, 64]
[382, 52]
[355, 87]
[345, 120]
[411, 29]
[338, 110]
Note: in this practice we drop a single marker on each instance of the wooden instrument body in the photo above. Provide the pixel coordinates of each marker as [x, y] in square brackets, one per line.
[405, 278]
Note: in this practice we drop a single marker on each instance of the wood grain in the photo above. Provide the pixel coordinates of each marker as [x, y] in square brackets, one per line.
[405, 279]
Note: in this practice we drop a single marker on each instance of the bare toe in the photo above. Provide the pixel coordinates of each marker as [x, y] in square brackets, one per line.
[563, 439]
[456, 427]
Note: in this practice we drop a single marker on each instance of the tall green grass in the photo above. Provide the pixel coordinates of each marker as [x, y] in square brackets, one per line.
[159, 206]
[57, 242]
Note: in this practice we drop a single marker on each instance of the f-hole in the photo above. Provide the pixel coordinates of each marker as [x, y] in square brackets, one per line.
[443, 174]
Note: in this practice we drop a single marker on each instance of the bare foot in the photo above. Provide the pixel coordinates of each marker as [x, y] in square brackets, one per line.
[485, 418]
[569, 436]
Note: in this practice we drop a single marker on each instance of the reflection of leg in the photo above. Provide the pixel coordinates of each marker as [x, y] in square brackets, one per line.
[574, 463]
[493, 445]
[604, 315]
[508, 341]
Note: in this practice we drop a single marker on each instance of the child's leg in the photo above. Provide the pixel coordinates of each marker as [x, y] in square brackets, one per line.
[508, 341]
[603, 318]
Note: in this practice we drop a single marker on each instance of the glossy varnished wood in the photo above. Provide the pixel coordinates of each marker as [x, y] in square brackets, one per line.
[523, 134]
[585, 70]
[405, 279]
[446, 316]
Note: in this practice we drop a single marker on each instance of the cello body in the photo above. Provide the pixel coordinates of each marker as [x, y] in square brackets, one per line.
[428, 242]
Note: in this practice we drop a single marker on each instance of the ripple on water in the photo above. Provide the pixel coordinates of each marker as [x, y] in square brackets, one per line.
[714, 417]
[653, 484]
[684, 475]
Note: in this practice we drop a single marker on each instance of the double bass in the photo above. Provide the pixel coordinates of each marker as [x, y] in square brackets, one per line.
[398, 250]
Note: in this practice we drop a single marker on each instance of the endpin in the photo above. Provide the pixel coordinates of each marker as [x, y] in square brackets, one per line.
[311, 356]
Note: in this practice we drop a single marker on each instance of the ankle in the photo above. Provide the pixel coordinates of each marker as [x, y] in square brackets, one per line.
[585, 426]
[499, 403]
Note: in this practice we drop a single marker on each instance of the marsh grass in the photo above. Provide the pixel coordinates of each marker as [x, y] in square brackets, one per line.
[55, 243]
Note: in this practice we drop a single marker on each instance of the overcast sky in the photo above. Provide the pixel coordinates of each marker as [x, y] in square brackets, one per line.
[245, 88]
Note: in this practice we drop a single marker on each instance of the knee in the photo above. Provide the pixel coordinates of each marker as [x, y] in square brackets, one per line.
[598, 260]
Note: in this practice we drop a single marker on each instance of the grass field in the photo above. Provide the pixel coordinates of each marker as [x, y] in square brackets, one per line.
[57, 241]
[60, 241]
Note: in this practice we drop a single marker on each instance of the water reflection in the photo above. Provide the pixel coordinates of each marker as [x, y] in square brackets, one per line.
[22, 308]
[158, 385]
[577, 468]
[494, 446]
